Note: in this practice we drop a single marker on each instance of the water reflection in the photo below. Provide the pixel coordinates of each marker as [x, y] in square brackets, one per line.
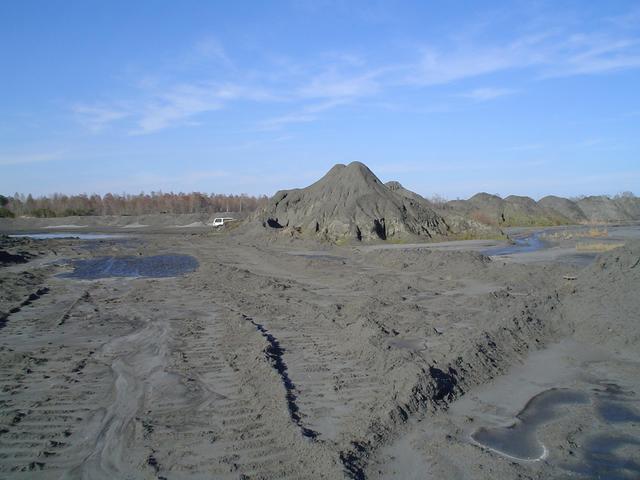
[519, 440]
[169, 265]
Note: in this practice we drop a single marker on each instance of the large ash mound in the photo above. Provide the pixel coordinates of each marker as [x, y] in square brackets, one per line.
[351, 203]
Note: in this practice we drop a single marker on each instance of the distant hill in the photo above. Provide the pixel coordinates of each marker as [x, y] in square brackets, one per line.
[565, 207]
[551, 210]
[604, 209]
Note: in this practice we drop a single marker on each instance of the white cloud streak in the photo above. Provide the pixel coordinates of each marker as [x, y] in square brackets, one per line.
[487, 93]
[312, 87]
[7, 159]
[97, 117]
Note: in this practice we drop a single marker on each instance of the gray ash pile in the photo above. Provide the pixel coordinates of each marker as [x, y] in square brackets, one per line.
[350, 203]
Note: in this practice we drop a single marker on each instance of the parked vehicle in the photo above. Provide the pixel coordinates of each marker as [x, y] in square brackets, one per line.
[221, 221]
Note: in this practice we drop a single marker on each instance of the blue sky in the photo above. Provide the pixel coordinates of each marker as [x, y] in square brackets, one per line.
[449, 98]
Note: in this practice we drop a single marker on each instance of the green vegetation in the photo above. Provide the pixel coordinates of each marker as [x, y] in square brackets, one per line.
[397, 240]
[6, 213]
[43, 213]
[476, 235]
[530, 221]
[598, 247]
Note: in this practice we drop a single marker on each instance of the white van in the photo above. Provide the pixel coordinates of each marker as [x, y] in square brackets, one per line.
[220, 221]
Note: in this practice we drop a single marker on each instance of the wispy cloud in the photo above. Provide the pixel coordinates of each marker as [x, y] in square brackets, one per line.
[96, 117]
[179, 104]
[308, 87]
[589, 143]
[210, 47]
[488, 93]
[308, 113]
[175, 107]
[447, 64]
[545, 183]
[276, 123]
[257, 143]
[630, 19]
[523, 148]
[552, 53]
[334, 85]
[438, 68]
[160, 108]
[583, 54]
[7, 159]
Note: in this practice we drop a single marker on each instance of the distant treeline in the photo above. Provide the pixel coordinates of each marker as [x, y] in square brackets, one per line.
[60, 205]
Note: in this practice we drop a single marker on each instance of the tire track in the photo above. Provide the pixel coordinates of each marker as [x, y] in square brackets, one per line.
[274, 353]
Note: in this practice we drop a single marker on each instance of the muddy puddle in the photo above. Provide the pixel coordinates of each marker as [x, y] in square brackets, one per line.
[605, 452]
[573, 407]
[76, 236]
[608, 456]
[523, 244]
[157, 266]
[519, 440]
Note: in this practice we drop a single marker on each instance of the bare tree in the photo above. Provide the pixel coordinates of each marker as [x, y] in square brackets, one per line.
[59, 205]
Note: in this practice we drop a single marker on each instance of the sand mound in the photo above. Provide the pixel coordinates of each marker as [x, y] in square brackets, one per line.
[517, 210]
[513, 210]
[459, 225]
[605, 301]
[350, 203]
[564, 207]
[604, 209]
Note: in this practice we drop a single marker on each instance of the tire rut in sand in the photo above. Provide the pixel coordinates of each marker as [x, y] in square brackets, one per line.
[50, 390]
[136, 357]
[136, 382]
[356, 382]
[234, 423]
[274, 353]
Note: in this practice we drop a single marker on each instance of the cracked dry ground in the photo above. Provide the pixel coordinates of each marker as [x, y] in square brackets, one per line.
[260, 364]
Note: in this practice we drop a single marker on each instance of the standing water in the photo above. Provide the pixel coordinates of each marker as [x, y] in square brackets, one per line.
[169, 265]
[78, 236]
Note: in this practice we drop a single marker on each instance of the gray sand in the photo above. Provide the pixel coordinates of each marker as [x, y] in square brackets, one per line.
[276, 361]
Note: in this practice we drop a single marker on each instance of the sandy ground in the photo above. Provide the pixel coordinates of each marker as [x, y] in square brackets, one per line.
[282, 362]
